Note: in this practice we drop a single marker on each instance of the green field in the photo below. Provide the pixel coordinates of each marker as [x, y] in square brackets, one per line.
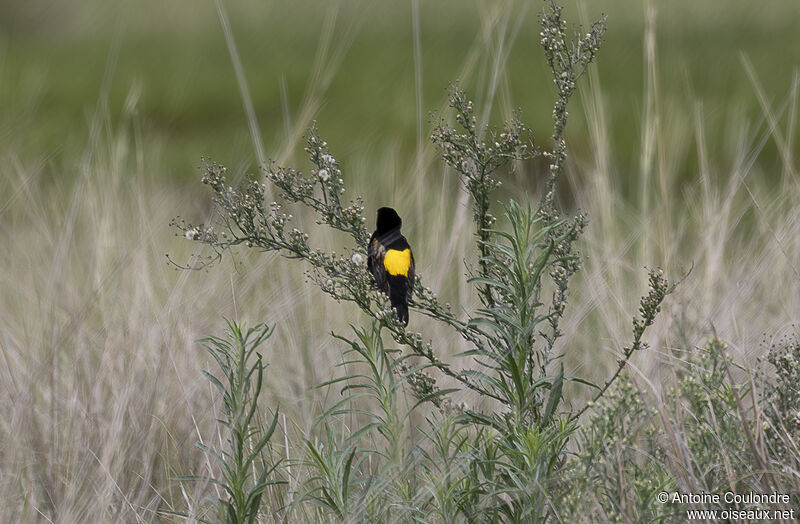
[682, 151]
[170, 62]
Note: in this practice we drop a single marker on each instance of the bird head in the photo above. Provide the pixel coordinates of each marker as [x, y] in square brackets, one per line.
[388, 219]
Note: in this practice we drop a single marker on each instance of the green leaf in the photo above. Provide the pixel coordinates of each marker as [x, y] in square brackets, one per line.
[485, 322]
[366, 429]
[490, 282]
[339, 404]
[555, 395]
[264, 439]
[346, 478]
[430, 396]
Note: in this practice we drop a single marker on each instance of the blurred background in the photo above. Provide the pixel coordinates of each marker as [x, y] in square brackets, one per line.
[683, 152]
[355, 61]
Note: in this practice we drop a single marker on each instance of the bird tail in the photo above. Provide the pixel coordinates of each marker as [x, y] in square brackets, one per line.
[402, 312]
[399, 300]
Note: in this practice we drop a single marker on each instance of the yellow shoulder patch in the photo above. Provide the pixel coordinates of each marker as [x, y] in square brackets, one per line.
[397, 262]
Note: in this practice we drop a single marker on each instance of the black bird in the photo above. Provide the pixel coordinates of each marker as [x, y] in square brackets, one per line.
[391, 261]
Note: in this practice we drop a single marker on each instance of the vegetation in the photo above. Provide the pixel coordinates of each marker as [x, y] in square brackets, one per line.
[506, 458]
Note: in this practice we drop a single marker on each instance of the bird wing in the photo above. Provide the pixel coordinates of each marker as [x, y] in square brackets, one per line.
[376, 254]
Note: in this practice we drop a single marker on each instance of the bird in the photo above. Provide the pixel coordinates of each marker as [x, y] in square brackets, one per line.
[391, 261]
